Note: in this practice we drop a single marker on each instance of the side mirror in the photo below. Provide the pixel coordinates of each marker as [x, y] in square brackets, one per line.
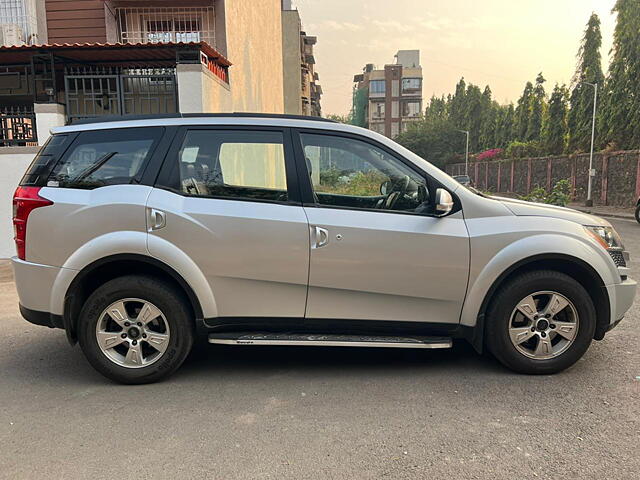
[444, 202]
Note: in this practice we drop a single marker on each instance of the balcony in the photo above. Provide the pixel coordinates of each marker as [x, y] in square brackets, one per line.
[163, 25]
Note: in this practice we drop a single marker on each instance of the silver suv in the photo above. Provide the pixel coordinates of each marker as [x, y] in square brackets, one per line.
[136, 236]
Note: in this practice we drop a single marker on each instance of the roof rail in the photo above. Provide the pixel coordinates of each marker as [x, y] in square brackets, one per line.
[119, 118]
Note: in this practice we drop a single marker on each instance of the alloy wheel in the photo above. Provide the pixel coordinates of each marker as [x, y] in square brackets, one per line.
[132, 333]
[543, 325]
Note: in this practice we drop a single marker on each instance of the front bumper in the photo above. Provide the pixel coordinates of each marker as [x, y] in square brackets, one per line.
[621, 297]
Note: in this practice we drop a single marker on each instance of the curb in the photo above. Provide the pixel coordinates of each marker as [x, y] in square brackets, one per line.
[622, 216]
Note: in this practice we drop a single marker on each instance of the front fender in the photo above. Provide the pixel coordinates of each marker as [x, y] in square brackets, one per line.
[565, 245]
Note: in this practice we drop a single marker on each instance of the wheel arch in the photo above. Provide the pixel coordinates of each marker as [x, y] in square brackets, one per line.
[575, 267]
[113, 266]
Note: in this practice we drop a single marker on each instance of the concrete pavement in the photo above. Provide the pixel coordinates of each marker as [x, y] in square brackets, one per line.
[248, 412]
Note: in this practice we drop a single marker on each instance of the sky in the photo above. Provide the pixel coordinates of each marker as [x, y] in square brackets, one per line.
[502, 43]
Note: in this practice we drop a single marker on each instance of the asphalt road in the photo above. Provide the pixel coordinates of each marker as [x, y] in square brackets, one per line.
[259, 412]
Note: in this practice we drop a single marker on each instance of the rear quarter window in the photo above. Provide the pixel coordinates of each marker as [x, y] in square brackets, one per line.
[105, 157]
[40, 168]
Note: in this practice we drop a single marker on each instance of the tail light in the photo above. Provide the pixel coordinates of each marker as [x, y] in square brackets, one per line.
[25, 199]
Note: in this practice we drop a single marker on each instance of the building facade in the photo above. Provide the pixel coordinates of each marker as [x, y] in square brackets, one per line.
[388, 100]
[302, 90]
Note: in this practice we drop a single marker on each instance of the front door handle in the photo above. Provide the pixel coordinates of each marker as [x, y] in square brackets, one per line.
[157, 219]
[319, 237]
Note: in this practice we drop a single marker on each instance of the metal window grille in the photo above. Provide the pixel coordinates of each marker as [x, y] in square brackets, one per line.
[17, 126]
[171, 24]
[93, 92]
[21, 16]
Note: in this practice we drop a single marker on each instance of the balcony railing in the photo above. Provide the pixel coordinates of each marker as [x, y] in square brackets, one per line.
[171, 24]
[18, 22]
[17, 127]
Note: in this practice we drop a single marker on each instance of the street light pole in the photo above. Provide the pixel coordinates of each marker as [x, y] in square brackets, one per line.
[466, 155]
[589, 202]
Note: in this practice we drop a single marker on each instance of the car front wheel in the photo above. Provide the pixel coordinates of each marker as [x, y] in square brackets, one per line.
[135, 329]
[540, 322]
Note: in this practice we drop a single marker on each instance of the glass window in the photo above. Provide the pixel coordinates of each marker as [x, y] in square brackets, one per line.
[411, 109]
[377, 109]
[376, 86]
[238, 164]
[411, 84]
[105, 157]
[352, 173]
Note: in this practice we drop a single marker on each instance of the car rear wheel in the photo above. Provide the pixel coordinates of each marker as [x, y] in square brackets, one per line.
[136, 329]
[540, 322]
[638, 213]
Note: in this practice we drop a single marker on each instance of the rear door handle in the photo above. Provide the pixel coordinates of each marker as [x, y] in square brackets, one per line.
[157, 219]
[319, 237]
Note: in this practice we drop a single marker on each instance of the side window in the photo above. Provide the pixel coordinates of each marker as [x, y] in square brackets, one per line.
[105, 157]
[352, 173]
[235, 164]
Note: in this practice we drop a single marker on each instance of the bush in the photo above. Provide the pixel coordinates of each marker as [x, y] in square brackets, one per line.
[559, 195]
[493, 154]
[523, 149]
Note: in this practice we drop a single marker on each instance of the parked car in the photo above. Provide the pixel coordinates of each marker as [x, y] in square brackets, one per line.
[463, 179]
[136, 236]
[638, 210]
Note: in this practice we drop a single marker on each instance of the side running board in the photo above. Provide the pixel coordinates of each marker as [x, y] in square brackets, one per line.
[317, 340]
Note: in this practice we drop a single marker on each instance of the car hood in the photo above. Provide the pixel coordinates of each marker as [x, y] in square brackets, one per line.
[524, 208]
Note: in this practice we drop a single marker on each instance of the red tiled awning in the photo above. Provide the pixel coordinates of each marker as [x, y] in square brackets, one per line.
[121, 53]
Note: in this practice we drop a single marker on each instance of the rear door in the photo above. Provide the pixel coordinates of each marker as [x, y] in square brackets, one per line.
[228, 199]
[377, 251]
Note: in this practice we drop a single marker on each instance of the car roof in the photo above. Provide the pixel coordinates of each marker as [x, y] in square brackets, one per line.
[130, 121]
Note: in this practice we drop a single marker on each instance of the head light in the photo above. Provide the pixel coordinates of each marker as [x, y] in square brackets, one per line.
[605, 236]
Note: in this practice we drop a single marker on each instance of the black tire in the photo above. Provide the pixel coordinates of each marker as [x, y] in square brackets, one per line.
[638, 213]
[167, 299]
[503, 304]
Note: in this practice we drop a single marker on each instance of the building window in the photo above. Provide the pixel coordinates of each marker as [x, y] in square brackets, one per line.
[18, 22]
[411, 85]
[395, 109]
[377, 127]
[155, 25]
[377, 110]
[411, 109]
[395, 88]
[376, 87]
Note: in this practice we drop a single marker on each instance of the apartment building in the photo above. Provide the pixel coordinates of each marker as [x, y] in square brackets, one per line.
[302, 91]
[388, 100]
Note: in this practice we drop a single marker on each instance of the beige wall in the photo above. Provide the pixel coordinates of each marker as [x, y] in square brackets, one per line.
[200, 91]
[13, 162]
[291, 61]
[254, 46]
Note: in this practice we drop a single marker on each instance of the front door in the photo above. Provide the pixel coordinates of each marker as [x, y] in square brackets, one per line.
[377, 252]
[228, 205]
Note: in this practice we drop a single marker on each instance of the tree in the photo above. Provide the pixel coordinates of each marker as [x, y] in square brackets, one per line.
[555, 121]
[536, 110]
[588, 69]
[505, 125]
[522, 113]
[435, 137]
[457, 106]
[488, 120]
[339, 118]
[621, 123]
